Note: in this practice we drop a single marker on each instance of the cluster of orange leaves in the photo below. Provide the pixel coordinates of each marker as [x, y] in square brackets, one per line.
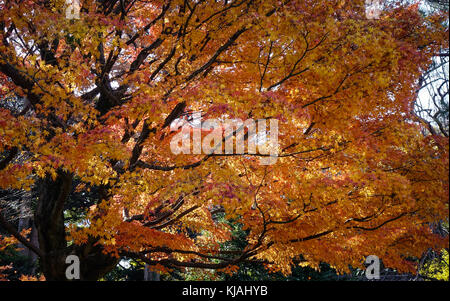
[355, 176]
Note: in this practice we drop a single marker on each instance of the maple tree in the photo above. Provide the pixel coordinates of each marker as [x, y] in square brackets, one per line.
[354, 176]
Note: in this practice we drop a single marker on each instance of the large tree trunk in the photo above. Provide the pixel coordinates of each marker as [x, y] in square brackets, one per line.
[49, 220]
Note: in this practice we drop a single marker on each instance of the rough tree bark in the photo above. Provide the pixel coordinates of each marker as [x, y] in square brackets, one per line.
[49, 219]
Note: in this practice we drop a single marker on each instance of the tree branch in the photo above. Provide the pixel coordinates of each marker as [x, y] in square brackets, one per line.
[11, 230]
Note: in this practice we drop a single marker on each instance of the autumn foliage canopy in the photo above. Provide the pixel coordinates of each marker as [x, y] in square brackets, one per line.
[356, 173]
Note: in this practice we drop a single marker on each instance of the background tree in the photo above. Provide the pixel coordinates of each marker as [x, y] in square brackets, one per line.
[432, 102]
[355, 176]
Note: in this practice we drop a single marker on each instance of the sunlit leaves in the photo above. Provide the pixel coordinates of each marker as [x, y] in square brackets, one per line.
[354, 176]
